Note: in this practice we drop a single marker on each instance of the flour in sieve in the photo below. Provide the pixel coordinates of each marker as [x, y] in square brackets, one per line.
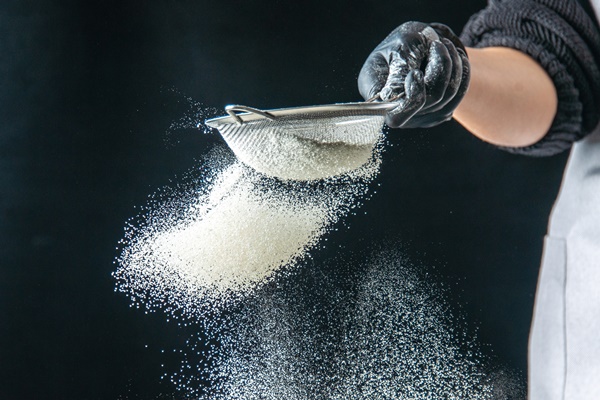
[302, 159]
[303, 150]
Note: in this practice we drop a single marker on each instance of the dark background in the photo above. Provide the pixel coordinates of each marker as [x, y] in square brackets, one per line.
[88, 91]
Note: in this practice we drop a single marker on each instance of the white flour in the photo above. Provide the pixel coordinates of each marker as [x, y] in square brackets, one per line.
[237, 236]
[301, 159]
[381, 333]
[231, 233]
[305, 149]
[377, 328]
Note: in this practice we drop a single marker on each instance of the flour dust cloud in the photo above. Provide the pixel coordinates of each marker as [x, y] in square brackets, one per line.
[365, 327]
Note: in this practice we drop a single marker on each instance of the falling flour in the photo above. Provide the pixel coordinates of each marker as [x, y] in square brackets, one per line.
[234, 230]
[366, 327]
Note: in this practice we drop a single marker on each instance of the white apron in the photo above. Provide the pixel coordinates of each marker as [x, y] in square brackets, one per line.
[564, 344]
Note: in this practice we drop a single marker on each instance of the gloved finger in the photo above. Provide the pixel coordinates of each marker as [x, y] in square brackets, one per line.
[413, 49]
[411, 103]
[410, 53]
[463, 86]
[445, 113]
[412, 33]
[454, 81]
[398, 70]
[457, 71]
[438, 72]
[373, 75]
[446, 32]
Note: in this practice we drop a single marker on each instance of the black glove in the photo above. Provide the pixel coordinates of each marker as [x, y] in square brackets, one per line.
[426, 65]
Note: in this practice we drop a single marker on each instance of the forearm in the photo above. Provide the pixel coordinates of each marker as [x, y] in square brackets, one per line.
[511, 100]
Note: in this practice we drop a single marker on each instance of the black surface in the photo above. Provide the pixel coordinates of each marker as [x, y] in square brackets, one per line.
[85, 104]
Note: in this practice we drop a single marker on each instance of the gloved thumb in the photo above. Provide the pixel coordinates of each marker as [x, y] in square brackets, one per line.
[412, 101]
[394, 85]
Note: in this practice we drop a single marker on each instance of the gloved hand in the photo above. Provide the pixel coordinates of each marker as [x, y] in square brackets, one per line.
[427, 65]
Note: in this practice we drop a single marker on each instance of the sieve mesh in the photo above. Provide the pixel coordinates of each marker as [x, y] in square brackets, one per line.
[306, 143]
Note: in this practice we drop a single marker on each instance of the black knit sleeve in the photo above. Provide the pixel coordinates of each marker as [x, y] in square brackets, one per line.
[564, 39]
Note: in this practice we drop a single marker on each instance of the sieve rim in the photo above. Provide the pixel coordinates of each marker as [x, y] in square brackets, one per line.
[303, 112]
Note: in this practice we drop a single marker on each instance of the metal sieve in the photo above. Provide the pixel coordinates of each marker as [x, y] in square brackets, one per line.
[304, 143]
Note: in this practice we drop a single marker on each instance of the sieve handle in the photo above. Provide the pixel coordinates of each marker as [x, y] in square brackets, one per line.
[231, 110]
[377, 97]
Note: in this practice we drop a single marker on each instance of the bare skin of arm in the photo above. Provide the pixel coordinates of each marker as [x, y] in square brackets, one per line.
[511, 100]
